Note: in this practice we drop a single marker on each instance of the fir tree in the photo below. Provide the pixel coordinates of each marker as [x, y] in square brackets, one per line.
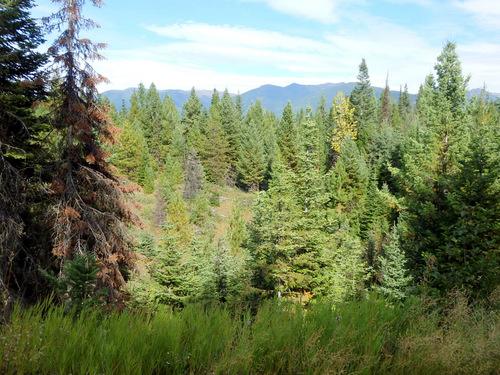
[287, 137]
[231, 122]
[363, 100]
[89, 212]
[215, 145]
[404, 103]
[192, 116]
[386, 104]
[394, 280]
[20, 149]
[155, 126]
[129, 154]
[252, 163]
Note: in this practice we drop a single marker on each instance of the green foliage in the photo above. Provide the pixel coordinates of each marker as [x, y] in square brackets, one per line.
[77, 283]
[252, 163]
[349, 186]
[368, 336]
[215, 146]
[130, 156]
[287, 137]
[22, 151]
[394, 280]
[365, 106]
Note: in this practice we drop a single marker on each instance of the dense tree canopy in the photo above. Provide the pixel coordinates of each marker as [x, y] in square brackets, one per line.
[388, 196]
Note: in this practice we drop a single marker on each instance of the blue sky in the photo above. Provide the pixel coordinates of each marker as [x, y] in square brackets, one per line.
[242, 44]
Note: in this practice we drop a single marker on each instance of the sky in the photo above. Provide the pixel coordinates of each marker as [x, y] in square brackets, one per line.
[242, 44]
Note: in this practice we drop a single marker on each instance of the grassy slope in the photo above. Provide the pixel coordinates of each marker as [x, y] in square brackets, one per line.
[229, 199]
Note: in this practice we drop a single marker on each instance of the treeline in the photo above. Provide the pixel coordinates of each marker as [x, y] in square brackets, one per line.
[365, 194]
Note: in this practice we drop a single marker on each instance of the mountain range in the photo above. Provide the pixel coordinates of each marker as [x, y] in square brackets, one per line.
[274, 98]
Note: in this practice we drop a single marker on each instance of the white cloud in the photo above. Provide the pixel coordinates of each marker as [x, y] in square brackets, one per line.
[131, 72]
[481, 60]
[325, 11]
[486, 12]
[235, 36]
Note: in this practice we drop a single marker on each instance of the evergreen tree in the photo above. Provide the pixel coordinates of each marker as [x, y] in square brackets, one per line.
[394, 279]
[89, 213]
[155, 126]
[192, 116]
[20, 149]
[404, 103]
[252, 163]
[215, 145]
[451, 84]
[231, 122]
[349, 185]
[287, 137]
[137, 103]
[128, 156]
[363, 100]
[193, 172]
[386, 104]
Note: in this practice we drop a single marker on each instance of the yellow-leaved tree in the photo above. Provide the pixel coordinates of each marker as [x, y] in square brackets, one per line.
[345, 125]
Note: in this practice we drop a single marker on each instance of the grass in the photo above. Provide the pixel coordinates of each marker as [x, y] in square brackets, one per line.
[363, 337]
[230, 198]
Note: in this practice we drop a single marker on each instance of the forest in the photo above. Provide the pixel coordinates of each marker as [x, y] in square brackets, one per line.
[360, 236]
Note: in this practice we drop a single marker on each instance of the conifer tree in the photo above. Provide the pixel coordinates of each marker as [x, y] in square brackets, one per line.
[287, 137]
[252, 163]
[89, 213]
[215, 145]
[363, 100]
[404, 103]
[192, 116]
[137, 103]
[231, 122]
[20, 148]
[349, 185]
[129, 154]
[155, 125]
[394, 279]
[386, 104]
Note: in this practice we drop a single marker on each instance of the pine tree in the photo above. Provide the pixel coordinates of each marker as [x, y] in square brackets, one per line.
[20, 149]
[321, 118]
[349, 185]
[137, 103]
[89, 212]
[155, 125]
[252, 163]
[192, 116]
[395, 280]
[386, 104]
[215, 145]
[451, 84]
[231, 122]
[404, 103]
[129, 154]
[365, 106]
[287, 137]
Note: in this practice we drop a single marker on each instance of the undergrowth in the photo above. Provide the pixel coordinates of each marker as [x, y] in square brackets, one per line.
[369, 336]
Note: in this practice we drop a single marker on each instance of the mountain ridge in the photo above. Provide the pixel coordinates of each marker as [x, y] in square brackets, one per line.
[274, 98]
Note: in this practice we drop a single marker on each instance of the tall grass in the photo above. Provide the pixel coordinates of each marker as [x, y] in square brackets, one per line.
[363, 337]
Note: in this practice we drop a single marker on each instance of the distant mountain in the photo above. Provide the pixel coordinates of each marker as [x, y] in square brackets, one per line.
[274, 98]
[178, 96]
